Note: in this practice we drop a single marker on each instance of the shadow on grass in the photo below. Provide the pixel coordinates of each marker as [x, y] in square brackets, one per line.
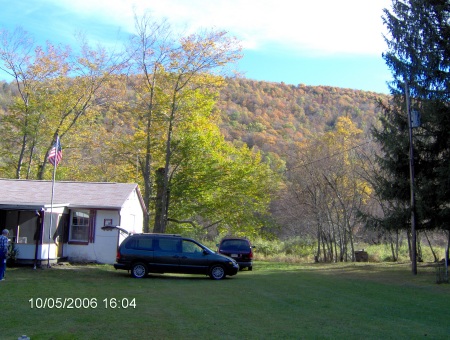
[394, 274]
[109, 271]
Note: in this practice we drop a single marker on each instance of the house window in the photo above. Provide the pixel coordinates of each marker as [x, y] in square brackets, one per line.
[79, 229]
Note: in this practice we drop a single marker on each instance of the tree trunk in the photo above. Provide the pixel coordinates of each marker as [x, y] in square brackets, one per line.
[325, 258]
[419, 253]
[352, 245]
[164, 195]
[157, 227]
[446, 256]
[335, 253]
[431, 247]
[408, 234]
[397, 244]
[394, 246]
[317, 257]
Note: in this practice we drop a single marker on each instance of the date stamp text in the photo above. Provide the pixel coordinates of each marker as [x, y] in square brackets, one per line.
[81, 303]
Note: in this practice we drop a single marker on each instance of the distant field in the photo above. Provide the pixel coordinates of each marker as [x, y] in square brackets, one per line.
[274, 301]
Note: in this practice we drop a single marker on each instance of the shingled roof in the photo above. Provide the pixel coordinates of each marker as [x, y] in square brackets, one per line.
[30, 193]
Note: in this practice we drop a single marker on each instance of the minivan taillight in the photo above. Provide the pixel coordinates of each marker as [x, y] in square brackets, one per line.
[250, 255]
[118, 256]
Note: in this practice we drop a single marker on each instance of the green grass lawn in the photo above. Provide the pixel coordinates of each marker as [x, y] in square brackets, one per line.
[274, 301]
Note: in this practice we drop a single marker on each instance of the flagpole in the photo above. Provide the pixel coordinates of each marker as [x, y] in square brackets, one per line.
[51, 209]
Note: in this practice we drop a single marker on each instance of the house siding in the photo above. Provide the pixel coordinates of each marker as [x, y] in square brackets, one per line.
[102, 246]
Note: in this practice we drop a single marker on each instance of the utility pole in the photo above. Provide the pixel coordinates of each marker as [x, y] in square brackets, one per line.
[411, 175]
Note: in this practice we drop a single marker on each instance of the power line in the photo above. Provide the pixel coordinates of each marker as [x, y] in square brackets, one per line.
[328, 157]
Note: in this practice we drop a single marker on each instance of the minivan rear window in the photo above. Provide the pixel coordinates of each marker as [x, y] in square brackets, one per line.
[234, 245]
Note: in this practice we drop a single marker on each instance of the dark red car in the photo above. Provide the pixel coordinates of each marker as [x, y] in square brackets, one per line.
[239, 249]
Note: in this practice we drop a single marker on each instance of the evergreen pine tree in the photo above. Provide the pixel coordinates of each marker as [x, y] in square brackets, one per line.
[418, 55]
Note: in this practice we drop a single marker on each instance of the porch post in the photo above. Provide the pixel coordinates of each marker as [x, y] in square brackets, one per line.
[39, 233]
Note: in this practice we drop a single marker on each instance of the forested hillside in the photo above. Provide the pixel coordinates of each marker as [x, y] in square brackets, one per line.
[291, 126]
[271, 116]
[320, 138]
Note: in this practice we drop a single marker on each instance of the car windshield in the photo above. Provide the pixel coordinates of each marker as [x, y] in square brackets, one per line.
[206, 248]
[209, 250]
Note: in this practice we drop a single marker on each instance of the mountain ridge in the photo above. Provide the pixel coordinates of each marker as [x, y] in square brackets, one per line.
[272, 116]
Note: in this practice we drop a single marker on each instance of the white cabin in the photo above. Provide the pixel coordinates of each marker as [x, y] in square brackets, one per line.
[89, 220]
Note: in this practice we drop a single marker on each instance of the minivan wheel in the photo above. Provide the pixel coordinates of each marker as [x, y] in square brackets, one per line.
[217, 272]
[139, 270]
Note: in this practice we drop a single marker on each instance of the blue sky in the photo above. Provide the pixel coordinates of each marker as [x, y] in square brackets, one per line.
[327, 42]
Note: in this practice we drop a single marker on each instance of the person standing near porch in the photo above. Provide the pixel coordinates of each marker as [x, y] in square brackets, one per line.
[3, 253]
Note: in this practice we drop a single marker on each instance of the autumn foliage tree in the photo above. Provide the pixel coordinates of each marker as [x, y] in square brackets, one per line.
[57, 91]
[326, 190]
[179, 78]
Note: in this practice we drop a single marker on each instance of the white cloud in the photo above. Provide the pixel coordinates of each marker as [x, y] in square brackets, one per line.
[305, 27]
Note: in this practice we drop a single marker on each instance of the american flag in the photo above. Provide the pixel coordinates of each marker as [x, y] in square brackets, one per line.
[55, 155]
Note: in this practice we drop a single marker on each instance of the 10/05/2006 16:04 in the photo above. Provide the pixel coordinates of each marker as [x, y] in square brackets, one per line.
[81, 303]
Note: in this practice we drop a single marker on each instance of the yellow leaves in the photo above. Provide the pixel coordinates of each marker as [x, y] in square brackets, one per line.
[58, 92]
[49, 63]
[365, 191]
[345, 127]
[333, 157]
[345, 135]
